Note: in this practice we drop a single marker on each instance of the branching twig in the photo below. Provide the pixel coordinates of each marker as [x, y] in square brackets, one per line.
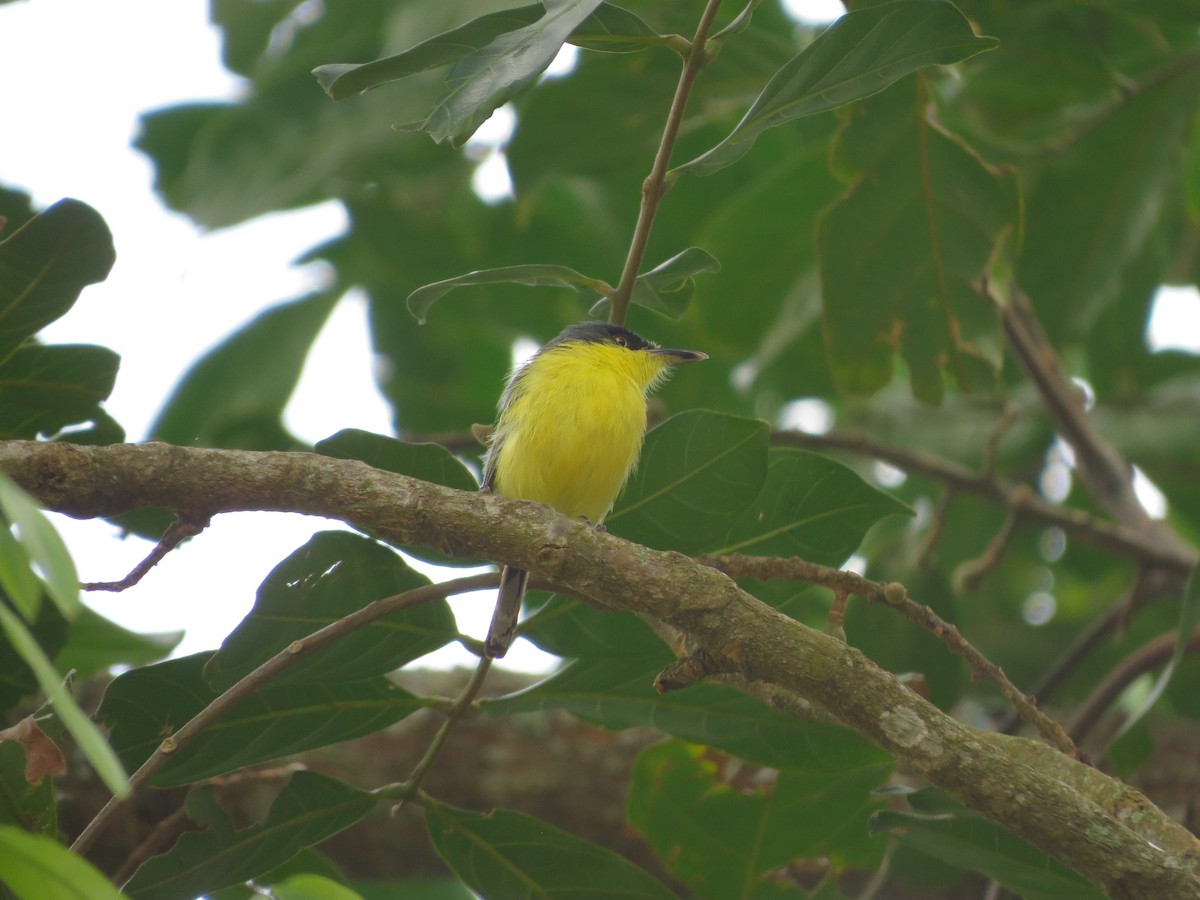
[655, 184]
[894, 595]
[969, 575]
[179, 530]
[406, 790]
[936, 526]
[1137, 545]
[1146, 658]
[268, 670]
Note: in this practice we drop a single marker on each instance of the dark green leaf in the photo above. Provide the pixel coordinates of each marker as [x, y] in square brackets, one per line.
[308, 861]
[612, 29]
[968, 840]
[311, 887]
[147, 704]
[698, 471]
[619, 693]
[508, 854]
[17, 580]
[486, 78]
[46, 264]
[95, 644]
[810, 506]
[668, 287]
[904, 250]
[343, 80]
[30, 807]
[234, 396]
[40, 868]
[308, 810]
[572, 629]
[533, 275]
[858, 55]
[43, 389]
[17, 680]
[333, 575]
[722, 840]
[43, 547]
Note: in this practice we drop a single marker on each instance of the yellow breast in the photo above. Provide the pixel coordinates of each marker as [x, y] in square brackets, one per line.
[573, 427]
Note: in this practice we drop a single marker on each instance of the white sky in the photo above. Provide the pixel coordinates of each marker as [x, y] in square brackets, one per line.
[86, 71]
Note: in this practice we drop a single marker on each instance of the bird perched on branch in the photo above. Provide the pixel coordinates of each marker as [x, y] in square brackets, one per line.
[569, 433]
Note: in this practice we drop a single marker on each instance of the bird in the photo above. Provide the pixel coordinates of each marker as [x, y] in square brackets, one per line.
[569, 432]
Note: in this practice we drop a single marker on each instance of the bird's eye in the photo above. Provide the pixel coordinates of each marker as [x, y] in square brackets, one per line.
[621, 342]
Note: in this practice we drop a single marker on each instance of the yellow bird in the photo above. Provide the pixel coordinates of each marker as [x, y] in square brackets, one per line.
[569, 434]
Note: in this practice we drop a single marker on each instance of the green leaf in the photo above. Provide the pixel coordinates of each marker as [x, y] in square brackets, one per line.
[608, 29]
[38, 868]
[89, 738]
[1189, 622]
[95, 644]
[19, 583]
[429, 462]
[532, 275]
[488, 77]
[967, 840]
[43, 389]
[44, 548]
[668, 287]
[17, 679]
[858, 55]
[722, 840]
[619, 693]
[698, 471]
[572, 629]
[145, 705]
[234, 396]
[28, 806]
[312, 887]
[810, 506]
[508, 854]
[310, 809]
[45, 265]
[904, 249]
[334, 574]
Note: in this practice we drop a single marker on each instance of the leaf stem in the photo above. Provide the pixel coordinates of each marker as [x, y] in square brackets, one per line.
[276, 664]
[655, 184]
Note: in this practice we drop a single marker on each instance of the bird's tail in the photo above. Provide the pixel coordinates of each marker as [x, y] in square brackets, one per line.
[508, 608]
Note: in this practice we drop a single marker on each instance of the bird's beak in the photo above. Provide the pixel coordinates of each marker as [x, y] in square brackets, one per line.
[674, 357]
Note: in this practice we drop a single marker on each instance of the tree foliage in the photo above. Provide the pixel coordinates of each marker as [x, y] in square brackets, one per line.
[941, 225]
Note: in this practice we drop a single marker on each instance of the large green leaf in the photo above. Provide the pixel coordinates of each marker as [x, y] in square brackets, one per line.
[44, 266]
[507, 854]
[234, 396]
[486, 78]
[36, 867]
[95, 644]
[619, 693]
[145, 705]
[609, 28]
[570, 628]
[964, 838]
[722, 840]
[17, 680]
[43, 548]
[858, 55]
[531, 275]
[333, 575]
[310, 808]
[668, 287]
[698, 471]
[43, 389]
[904, 249]
[810, 506]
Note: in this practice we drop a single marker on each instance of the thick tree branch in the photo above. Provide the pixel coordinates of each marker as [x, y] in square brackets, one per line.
[1106, 830]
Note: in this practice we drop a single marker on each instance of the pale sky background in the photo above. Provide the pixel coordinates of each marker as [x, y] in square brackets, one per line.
[80, 74]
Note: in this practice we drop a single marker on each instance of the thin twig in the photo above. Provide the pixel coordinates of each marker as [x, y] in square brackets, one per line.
[1128, 542]
[894, 595]
[406, 790]
[970, 574]
[278, 663]
[179, 530]
[655, 185]
[937, 525]
[1146, 658]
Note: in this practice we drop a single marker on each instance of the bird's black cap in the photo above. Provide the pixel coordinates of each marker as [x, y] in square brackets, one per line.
[600, 333]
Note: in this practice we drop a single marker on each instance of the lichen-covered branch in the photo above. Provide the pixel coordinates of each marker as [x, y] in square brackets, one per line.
[1106, 830]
